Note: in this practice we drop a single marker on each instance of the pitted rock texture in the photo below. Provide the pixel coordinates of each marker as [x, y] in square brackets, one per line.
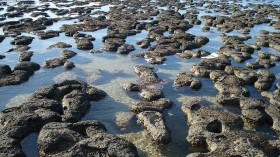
[221, 133]
[85, 138]
[204, 67]
[273, 108]
[187, 79]
[149, 112]
[19, 74]
[154, 123]
[68, 101]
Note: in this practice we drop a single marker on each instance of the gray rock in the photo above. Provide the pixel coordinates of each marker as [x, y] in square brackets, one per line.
[47, 35]
[125, 120]
[205, 66]
[253, 109]
[84, 44]
[86, 138]
[5, 70]
[131, 87]
[220, 131]
[67, 54]
[25, 56]
[201, 40]
[67, 101]
[187, 79]
[265, 80]
[53, 63]
[154, 123]
[151, 94]
[22, 40]
[69, 65]
[125, 49]
[60, 45]
[158, 105]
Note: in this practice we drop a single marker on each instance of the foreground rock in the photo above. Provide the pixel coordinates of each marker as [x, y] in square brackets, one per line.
[19, 74]
[220, 132]
[155, 125]
[85, 138]
[149, 112]
[273, 108]
[68, 101]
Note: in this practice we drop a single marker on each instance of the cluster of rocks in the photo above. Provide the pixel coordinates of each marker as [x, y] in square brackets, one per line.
[19, 74]
[265, 60]
[204, 67]
[220, 133]
[235, 48]
[230, 82]
[177, 42]
[187, 54]
[56, 62]
[150, 112]
[27, 25]
[57, 109]
[272, 40]
[85, 138]
[242, 20]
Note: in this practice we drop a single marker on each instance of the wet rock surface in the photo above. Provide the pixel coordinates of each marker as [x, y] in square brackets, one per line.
[55, 62]
[60, 45]
[85, 138]
[149, 112]
[19, 74]
[234, 44]
[68, 101]
[273, 109]
[204, 67]
[221, 131]
[187, 79]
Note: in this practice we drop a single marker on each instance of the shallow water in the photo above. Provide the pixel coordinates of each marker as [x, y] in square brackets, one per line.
[109, 71]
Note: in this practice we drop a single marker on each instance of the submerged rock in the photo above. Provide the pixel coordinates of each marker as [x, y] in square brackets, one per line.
[125, 120]
[154, 123]
[151, 94]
